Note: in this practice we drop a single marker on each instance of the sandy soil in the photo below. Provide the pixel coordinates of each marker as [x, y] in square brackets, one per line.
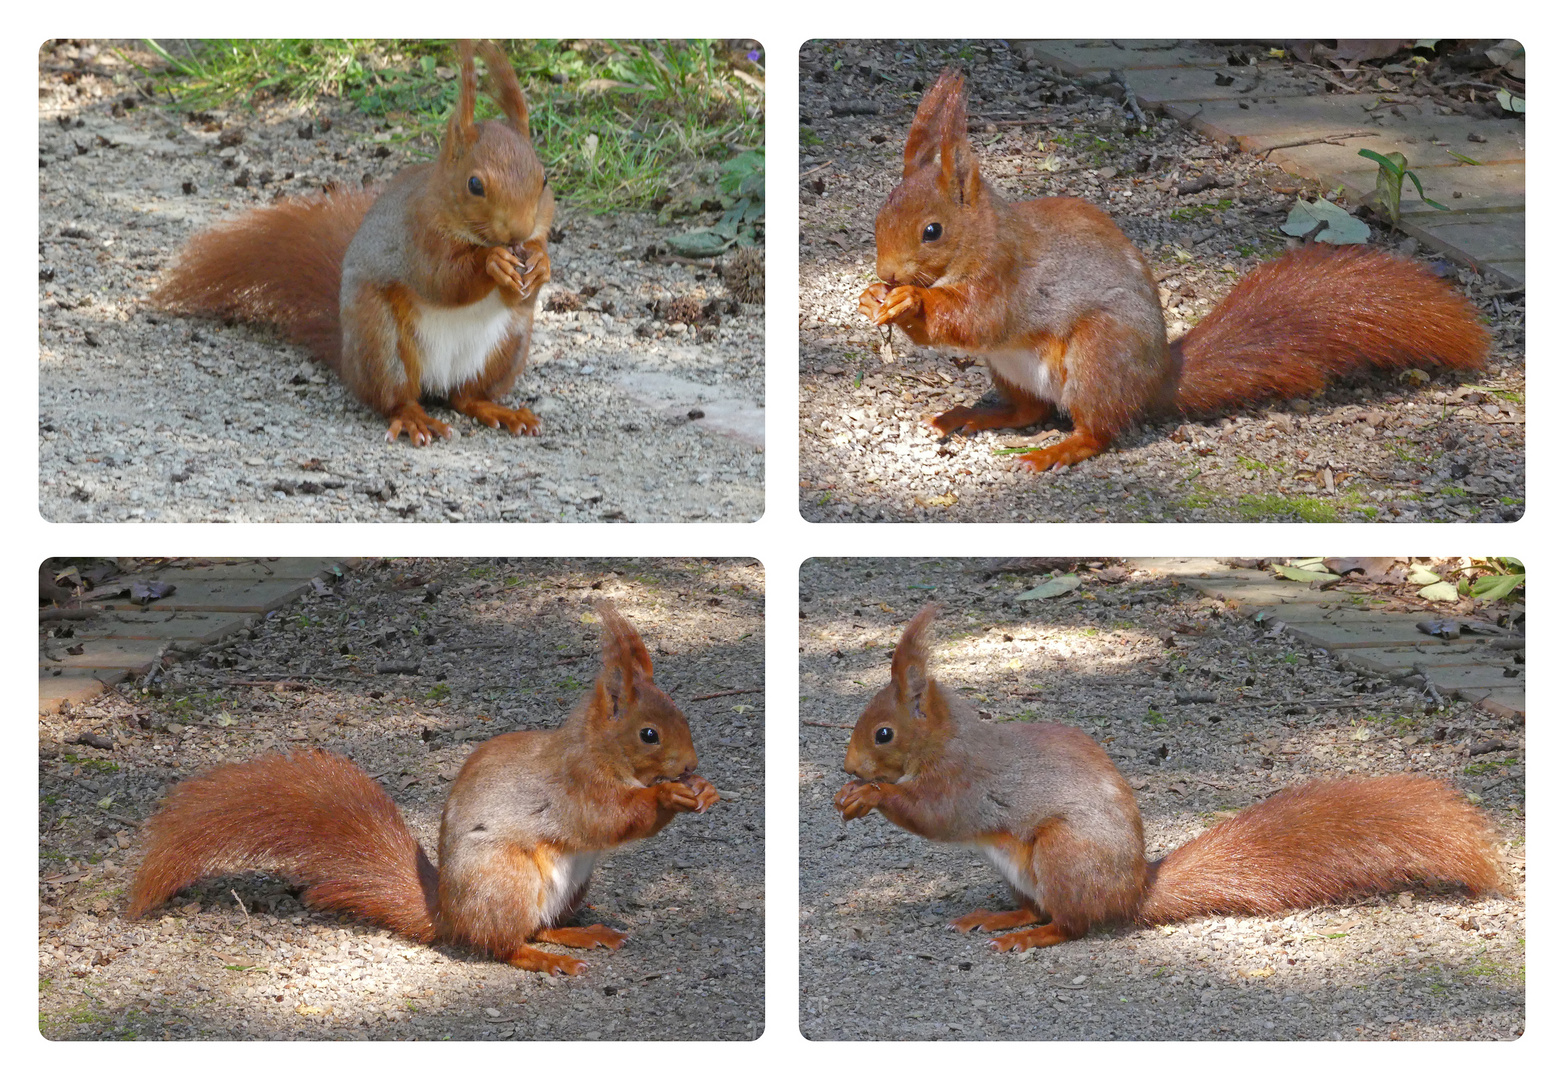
[150, 417]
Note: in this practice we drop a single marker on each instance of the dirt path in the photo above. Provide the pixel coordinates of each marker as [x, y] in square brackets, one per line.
[148, 417]
[498, 646]
[1380, 451]
[1202, 712]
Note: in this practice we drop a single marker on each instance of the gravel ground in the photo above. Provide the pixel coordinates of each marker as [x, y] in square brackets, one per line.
[501, 645]
[146, 416]
[1115, 658]
[1374, 451]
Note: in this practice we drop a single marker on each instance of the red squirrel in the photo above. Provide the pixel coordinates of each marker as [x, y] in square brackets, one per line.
[528, 819]
[1046, 806]
[1064, 309]
[425, 289]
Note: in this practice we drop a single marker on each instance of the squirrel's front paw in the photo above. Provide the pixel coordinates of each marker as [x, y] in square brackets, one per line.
[871, 299]
[902, 303]
[690, 794]
[705, 792]
[538, 268]
[857, 798]
[505, 267]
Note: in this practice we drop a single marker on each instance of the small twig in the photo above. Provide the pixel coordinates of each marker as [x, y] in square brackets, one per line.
[817, 168]
[1337, 83]
[1130, 101]
[1331, 139]
[680, 260]
[728, 693]
[235, 894]
[822, 723]
[269, 680]
[1317, 703]
[1468, 83]
[123, 820]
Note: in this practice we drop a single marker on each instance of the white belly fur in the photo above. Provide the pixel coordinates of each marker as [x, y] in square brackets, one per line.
[456, 342]
[1014, 873]
[1023, 368]
[568, 874]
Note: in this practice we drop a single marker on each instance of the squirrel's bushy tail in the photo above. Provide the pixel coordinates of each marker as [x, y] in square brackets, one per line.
[280, 264]
[1315, 314]
[313, 816]
[1323, 842]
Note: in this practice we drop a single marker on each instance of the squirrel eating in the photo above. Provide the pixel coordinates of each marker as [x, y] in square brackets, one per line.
[1064, 309]
[528, 819]
[427, 288]
[1045, 805]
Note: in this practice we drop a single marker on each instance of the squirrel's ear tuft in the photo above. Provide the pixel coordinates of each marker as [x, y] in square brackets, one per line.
[925, 136]
[504, 88]
[461, 132]
[958, 167]
[909, 664]
[623, 650]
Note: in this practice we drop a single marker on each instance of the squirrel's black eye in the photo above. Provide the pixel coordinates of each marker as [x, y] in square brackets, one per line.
[931, 232]
[883, 735]
[649, 735]
[475, 186]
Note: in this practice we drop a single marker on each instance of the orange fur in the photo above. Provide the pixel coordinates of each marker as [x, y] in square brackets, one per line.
[353, 277]
[1045, 803]
[527, 818]
[1316, 314]
[1055, 283]
[1322, 842]
[341, 834]
[281, 264]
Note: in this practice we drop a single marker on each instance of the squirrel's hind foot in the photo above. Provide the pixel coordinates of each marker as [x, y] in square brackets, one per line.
[1071, 450]
[989, 921]
[1040, 938]
[529, 959]
[583, 937]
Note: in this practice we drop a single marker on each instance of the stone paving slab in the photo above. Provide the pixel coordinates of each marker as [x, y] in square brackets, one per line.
[104, 653]
[56, 690]
[243, 569]
[1508, 704]
[1490, 240]
[247, 595]
[1287, 117]
[200, 627]
[1381, 642]
[1482, 189]
[1077, 58]
[1380, 661]
[1160, 86]
[212, 598]
[1335, 628]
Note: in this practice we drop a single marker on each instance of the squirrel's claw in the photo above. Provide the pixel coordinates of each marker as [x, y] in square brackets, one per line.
[505, 267]
[538, 270]
[871, 299]
[421, 428]
[516, 421]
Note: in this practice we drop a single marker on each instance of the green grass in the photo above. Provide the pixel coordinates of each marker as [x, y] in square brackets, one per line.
[615, 122]
[1267, 507]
